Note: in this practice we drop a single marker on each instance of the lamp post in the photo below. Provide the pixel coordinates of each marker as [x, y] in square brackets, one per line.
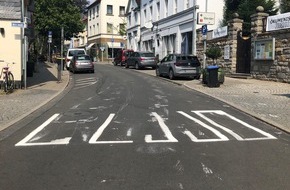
[195, 7]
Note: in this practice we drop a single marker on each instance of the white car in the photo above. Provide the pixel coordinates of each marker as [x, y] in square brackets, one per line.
[71, 52]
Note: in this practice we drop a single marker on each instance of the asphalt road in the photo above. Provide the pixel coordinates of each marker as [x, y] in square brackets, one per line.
[120, 129]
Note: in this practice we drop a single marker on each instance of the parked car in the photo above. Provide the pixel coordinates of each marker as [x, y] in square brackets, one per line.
[179, 65]
[122, 57]
[81, 63]
[70, 53]
[140, 60]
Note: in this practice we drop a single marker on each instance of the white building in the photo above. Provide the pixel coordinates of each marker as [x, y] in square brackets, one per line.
[105, 20]
[163, 26]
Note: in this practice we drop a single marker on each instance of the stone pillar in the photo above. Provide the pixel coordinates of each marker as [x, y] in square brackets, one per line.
[257, 22]
[235, 26]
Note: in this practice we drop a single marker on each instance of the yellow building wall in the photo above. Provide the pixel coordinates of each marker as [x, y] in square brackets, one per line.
[10, 48]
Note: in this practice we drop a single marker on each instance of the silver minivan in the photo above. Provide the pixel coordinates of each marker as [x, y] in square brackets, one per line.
[179, 65]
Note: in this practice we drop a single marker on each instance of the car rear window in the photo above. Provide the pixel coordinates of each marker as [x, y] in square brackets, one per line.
[76, 52]
[84, 57]
[146, 54]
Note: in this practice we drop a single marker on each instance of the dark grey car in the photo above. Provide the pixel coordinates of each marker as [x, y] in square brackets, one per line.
[141, 60]
[179, 65]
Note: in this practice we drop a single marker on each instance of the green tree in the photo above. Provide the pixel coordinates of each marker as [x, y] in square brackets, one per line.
[285, 6]
[214, 52]
[52, 15]
[245, 8]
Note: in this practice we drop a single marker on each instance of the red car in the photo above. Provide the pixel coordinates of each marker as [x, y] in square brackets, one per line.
[122, 57]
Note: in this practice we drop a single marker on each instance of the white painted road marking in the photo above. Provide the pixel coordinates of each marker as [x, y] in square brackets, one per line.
[98, 133]
[219, 112]
[194, 139]
[35, 134]
[24, 142]
[165, 129]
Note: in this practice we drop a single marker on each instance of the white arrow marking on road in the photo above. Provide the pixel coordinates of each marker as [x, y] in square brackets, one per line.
[165, 129]
[24, 142]
[98, 133]
[194, 139]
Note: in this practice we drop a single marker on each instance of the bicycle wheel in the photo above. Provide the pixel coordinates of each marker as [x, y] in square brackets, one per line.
[10, 82]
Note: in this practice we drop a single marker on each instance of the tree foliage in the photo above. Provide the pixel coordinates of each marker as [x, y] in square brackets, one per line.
[285, 6]
[245, 8]
[213, 53]
[52, 15]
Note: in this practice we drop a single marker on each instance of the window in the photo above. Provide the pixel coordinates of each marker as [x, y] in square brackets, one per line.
[187, 4]
[109, 9]
[109, 28]
[122, 10]
[97, 11]
[145, 14]
[129, 20]
[122, 28]
[90, 14]
[150, 16]
[175, 6]
[158, 11]
[166, 8]
[94, 12]
[97, 28]
[136, 17]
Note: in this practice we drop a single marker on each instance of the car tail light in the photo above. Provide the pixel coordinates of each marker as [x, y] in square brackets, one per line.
[177, 63]
[141, 58]
[66, 59]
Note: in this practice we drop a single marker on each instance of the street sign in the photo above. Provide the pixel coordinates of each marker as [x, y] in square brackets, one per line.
[102, 48]
[17, 24]
[206, 18]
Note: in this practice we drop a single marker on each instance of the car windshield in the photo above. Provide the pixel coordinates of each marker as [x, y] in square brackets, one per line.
[146, 55]
[83, 57]
[76, 52]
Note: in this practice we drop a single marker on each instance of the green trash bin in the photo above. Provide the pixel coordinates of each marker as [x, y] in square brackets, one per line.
[213, 79]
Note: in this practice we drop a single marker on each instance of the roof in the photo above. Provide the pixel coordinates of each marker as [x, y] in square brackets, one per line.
[10, 9]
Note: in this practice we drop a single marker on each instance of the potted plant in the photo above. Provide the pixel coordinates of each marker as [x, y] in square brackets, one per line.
[214, 53]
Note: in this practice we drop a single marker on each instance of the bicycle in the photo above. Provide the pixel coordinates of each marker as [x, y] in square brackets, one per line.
[8, 78]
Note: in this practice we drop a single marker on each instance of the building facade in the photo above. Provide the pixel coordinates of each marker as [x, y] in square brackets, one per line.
[13, 35]
[161, 26]
[105, 28]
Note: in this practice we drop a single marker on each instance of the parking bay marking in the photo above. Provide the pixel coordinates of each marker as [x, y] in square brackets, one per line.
[148, 138]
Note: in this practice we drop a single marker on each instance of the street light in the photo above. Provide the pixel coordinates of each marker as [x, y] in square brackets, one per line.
[195, 7]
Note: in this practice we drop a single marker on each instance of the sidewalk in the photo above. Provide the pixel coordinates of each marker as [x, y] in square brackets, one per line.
[41, 88]
[268, 101]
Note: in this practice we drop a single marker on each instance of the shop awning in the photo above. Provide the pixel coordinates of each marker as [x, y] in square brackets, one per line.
[90, 46]
[114, 45]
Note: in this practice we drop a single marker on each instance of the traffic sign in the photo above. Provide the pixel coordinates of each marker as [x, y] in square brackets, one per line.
[102, 48]
[17, 24]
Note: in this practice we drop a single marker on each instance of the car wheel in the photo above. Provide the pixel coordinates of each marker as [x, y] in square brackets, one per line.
[197, 77]
[126, 65]
[157, 72]
[137, 66]
[171, 74]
